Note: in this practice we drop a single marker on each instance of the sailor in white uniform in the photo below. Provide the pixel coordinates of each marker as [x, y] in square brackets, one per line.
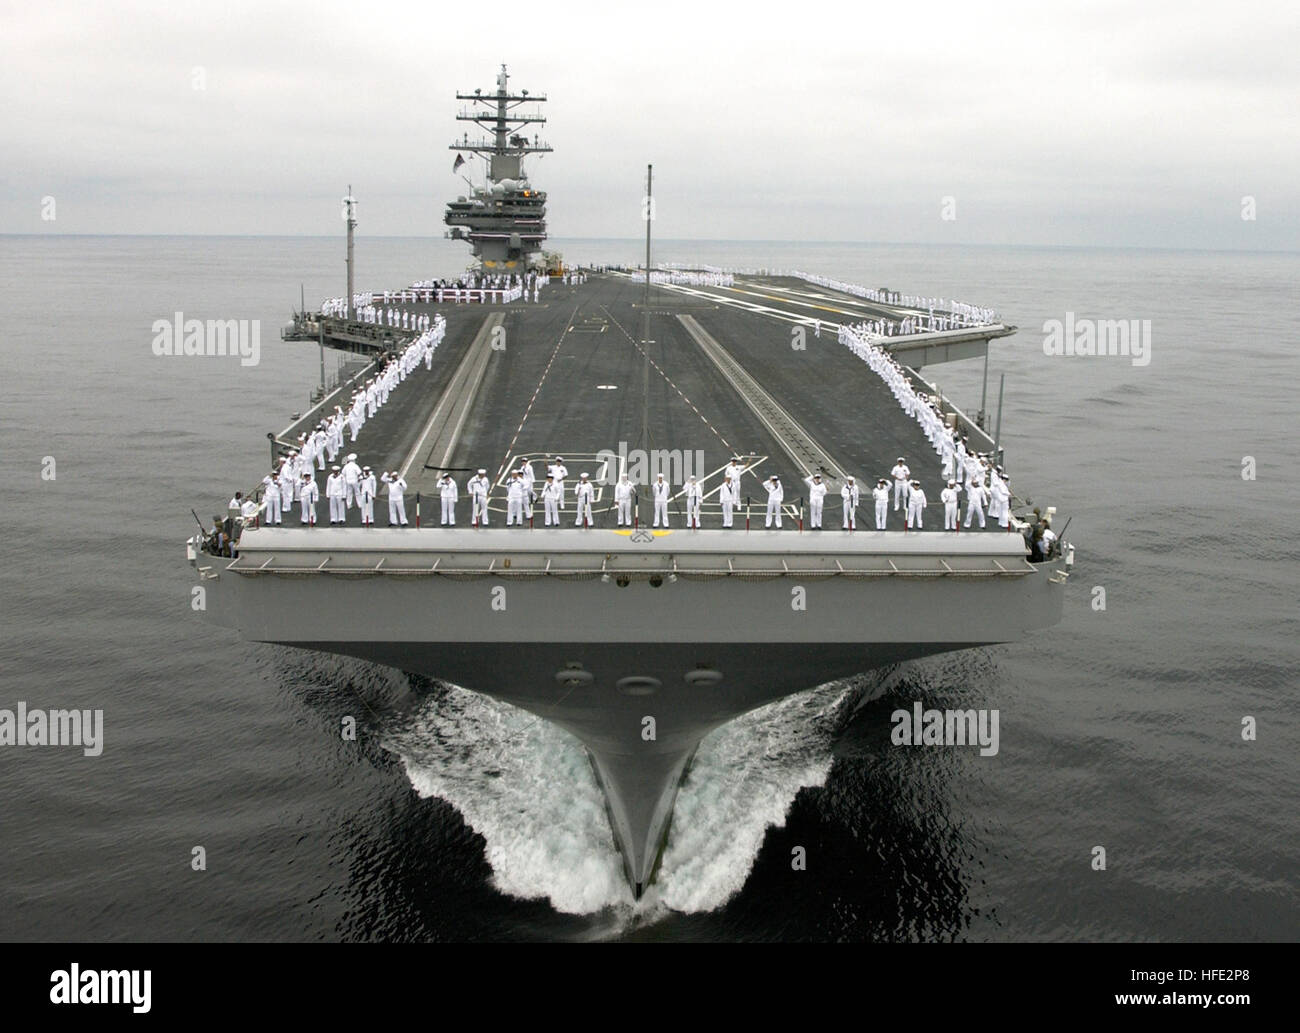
[396, 498]
[694, 497]
[775, 496]
[336, 493]
[734, 470]
[479, 486]
[976, 499]
[515, 500]
[351, 480]
[449, 495]
[816, 499]
[900, 473]
[915, 504]
[850, 496]
[559, 471]
[727, 497]
[367, 489]
[661, 493]
[582, 494]
[880, 495]
[271, 493]
[308, 493]
[623, 492]
[949, 498]
[551, 501]
[530, 478]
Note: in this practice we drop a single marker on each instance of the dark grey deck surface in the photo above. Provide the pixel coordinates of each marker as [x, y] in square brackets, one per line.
[541, 396]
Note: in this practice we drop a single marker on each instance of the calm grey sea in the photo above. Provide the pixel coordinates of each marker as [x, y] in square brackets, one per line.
[456, 819]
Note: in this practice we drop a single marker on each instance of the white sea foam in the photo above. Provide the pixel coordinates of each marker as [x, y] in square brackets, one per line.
[528, 789]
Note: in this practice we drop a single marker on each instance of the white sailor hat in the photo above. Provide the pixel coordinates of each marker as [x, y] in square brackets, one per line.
[917, 483]
[951, 483]
[816, 477]
[352, 457]
[335, 467]
[901, 459]
[692, 476]
[481, 470]
[559, 459]
[584, 476]
[365, 468]
[550, 477]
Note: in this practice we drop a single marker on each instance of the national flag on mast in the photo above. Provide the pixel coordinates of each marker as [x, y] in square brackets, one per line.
[455, 165]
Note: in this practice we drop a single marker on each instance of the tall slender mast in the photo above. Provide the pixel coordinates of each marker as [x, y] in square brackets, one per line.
[648, 211]
[350, 214]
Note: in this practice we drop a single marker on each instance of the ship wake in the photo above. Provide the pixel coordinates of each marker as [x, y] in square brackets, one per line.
[527, 787]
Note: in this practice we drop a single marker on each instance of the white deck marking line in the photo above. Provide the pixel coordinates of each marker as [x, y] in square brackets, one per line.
[509, 449]
[635, 344]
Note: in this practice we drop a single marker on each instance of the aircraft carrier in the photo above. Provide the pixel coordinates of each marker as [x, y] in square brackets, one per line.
[639, 641]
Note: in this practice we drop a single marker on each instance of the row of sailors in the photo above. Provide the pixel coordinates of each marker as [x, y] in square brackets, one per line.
[345, 487]
[961, 313]
[522, 493]
[693, 278]
[396, 318]
[573, 277]
[922, 322]
[429, 292]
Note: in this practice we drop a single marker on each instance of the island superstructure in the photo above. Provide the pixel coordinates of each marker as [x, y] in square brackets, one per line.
[640, 641]
[504, 220]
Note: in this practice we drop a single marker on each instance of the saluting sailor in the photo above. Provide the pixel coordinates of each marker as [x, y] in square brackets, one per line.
[351, 480]
[530, 478]
[775, 496]
[559, 471]
[694, 497]
[816, 498]
[396, 498]
[449, 495]
[623, 492]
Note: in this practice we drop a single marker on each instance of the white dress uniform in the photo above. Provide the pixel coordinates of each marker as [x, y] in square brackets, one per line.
[582, 493]
[336, 493]
[900, 473]
[775, 496]
[727, 496]
[816, 499]
[949, 498]
[447, 490]
[287, 478]
[479, 486]
[551, 502]
[694, 497]
[623, 500]
[530, 479]
[880, 495]
[515, 502]
[915, 506]
[308, 493]
[271, 493]
[368, 489]
[661, 493]
[559, 471]
[850, 496]
[352, 482]
[976, 498]
[1004, 512]
[396, 499]
[733, 471]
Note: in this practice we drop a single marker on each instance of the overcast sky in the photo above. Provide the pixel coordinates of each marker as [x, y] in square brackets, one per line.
[1127, 123]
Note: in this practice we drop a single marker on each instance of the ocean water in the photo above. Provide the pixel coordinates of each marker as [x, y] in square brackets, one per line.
[456, 818]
